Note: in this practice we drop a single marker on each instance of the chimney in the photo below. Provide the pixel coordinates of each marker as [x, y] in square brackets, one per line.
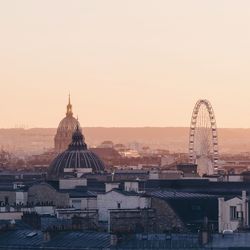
[113, 240]
[221, 220]
[245, 220]
[46, 236]
[244, 196]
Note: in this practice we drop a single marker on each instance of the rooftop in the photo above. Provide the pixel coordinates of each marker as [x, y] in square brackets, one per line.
[168, 195]
[20, 239]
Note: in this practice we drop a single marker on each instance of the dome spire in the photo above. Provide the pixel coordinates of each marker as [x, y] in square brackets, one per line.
[69, 108]
[69, 98]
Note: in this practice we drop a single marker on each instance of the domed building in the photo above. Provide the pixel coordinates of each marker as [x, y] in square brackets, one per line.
[65, 130]
[76, 160]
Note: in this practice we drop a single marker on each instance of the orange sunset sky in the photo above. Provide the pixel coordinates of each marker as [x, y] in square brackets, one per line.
[125, 63]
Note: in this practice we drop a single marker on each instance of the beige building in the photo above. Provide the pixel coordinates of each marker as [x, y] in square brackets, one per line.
[233, 213]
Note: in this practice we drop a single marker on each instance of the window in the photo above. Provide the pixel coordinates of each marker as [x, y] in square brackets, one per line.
[118, 205]
[76, 204]
[233, 213]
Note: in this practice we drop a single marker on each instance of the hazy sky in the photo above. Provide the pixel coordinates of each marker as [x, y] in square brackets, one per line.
[125, 62]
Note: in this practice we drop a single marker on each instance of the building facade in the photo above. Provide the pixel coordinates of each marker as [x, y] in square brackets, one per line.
[233, 213]
[116, 199]
[65, 130]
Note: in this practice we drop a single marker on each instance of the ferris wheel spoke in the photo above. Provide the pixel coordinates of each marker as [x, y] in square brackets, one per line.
[203, 140]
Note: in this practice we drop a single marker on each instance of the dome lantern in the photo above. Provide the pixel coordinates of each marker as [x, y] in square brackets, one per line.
[78, 140]
[69, 108]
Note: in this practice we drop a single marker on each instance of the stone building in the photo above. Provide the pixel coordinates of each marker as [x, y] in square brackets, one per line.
[132, 221]
[65, 130]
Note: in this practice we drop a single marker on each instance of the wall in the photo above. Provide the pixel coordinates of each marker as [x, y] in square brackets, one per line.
[110, 186]
[132, 221]
[41, 210]
[234, 178]
[11, 216]
[71, 183]
[18, 197]
[225, 222]
[85, 202]
[161, 218]
[21, 197]
[111, 199]
[131, 186]
[44, 210]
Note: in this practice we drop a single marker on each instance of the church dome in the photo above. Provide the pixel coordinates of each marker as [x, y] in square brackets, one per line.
[67, 124]
[77, 158]
[65, 130]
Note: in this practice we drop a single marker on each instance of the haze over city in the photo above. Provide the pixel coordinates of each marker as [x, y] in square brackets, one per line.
[125, 63]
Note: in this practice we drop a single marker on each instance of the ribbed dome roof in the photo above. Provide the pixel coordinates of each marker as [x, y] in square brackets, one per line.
[76, 156]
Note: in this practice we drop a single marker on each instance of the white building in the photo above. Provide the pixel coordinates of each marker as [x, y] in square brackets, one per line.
[41, 210]
[131, 186]
[72, 183]
[13, 196]
[116, 199]
[111, 185]
[233, 213]
[82, 202]
[69, 213]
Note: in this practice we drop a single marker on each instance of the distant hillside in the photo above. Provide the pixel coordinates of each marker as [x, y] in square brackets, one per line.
[37, 140]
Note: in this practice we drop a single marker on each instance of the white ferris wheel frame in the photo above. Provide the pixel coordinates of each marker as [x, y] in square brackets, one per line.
[213, 130]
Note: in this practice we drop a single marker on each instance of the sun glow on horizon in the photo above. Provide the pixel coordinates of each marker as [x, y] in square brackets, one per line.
[126, 63]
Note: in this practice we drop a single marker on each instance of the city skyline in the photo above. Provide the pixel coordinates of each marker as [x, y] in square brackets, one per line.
[124, 124]
[125, 66]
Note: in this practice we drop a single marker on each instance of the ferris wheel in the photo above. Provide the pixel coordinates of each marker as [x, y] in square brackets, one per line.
[203, 138]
